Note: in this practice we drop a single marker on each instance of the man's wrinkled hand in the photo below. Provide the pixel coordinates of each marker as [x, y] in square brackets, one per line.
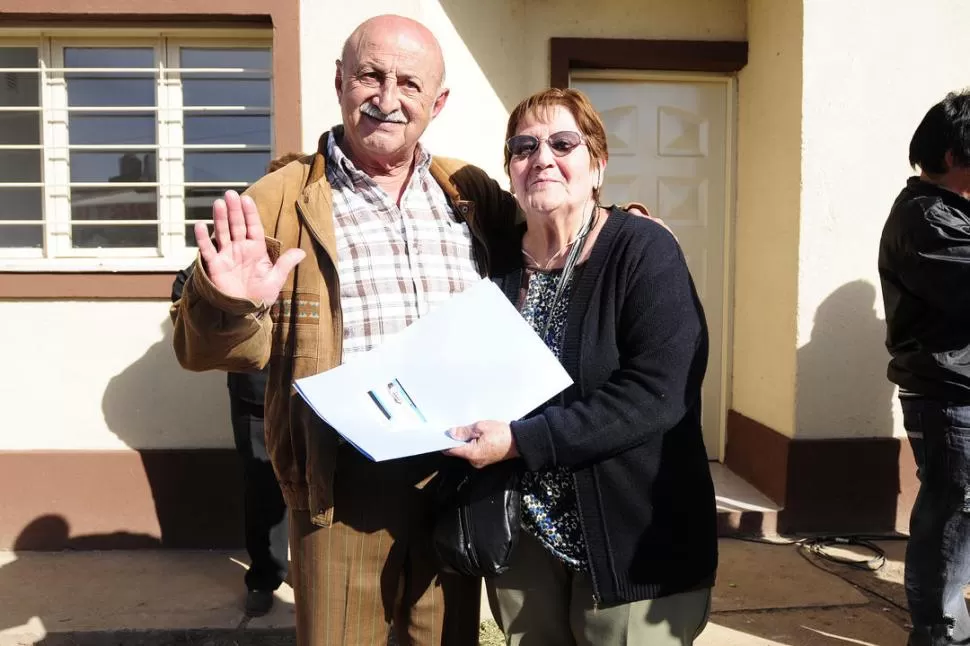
[238, 264]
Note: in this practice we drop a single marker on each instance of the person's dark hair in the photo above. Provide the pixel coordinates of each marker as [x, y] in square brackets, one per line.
[945, 128]
[282, 161]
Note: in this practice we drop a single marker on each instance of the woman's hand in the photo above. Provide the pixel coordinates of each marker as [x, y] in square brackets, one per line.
[640, 210]
[488, 442]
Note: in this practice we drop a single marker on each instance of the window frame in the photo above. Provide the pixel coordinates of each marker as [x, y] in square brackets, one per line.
[56, 254]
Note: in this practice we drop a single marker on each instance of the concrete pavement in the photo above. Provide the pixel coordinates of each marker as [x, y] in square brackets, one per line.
[766, 595]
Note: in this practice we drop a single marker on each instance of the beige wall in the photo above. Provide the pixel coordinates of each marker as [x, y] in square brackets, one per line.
[473, 121]
[102, 375]
[866, 86]
[496, 53]
[826, 105]
[766, 233]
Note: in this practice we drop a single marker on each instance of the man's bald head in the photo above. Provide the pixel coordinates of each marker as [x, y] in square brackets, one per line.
[387, 28]
[389, 84]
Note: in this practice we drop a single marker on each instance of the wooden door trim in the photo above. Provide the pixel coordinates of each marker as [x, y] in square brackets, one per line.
[720, 56]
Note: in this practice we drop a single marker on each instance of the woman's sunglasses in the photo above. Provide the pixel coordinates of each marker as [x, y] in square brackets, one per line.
[560, 143]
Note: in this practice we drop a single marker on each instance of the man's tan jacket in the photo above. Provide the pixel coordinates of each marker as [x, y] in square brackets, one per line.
[301, 334]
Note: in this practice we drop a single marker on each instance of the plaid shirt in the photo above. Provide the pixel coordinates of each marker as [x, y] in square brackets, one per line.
[394, 263]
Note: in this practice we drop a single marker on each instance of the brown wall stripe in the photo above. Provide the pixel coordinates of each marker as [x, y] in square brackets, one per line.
[178, 498]
[848, 486]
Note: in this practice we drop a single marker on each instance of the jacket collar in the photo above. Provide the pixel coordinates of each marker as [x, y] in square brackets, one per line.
[316, 196]
[442, 173]
[920, 186]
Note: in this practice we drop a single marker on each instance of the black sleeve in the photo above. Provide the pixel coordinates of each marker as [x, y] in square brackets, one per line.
[502, 215]
[663, 353]
[937, 252]
[497, 213]
[179, 283]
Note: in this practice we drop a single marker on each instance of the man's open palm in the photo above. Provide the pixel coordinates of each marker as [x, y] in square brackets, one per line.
[238, 264]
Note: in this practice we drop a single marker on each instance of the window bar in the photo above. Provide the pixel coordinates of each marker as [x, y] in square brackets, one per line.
[57, 238]
[170, 172]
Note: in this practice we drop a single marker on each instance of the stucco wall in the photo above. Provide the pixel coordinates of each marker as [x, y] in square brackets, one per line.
[867, 84]
[473, 121]
[766, 238]
[102, 376]
[496, 54]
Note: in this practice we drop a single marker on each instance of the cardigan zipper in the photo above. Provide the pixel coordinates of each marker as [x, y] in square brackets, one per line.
[582, 527]
[589, 556]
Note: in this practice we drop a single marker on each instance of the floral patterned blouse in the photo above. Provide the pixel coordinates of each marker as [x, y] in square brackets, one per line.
[549, 508]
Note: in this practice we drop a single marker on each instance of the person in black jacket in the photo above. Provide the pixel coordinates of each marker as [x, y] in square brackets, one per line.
[618, 508]
[924, 268]
[265, 511]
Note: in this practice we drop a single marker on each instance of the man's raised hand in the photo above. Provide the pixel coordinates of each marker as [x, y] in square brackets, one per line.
[238, 264]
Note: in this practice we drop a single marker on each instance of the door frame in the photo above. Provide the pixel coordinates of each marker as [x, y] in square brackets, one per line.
[691, 61]
[712, 56]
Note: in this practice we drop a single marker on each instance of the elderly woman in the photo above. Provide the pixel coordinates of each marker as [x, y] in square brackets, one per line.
[618, 507]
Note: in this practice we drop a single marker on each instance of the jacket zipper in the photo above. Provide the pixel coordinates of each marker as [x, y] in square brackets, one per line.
[339, 323]
[589, 556]
[464, 522]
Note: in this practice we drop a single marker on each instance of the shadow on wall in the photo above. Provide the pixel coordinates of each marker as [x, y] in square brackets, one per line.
[493, 44]
[157, 408]
[842, 383]
[847, 478]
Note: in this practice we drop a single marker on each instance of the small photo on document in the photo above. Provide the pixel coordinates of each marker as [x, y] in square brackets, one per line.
[395, 404]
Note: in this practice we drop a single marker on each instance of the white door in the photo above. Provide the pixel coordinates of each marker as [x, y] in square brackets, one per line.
[670, 144]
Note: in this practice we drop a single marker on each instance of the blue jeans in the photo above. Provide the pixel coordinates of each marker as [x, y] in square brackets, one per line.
[938, 553]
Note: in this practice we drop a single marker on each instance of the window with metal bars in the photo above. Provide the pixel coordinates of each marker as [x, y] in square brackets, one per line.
[110, 151]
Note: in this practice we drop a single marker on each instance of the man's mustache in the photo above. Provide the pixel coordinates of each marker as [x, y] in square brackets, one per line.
[374, 112]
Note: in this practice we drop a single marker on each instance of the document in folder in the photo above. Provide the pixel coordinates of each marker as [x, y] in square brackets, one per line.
[471, 358]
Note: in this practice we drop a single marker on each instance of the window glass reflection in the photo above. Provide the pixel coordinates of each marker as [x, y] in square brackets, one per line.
[127, 166]
[225, 166]
[106, 129]
[107, 204]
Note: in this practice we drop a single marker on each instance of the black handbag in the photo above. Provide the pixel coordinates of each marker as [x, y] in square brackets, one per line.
[477, 523]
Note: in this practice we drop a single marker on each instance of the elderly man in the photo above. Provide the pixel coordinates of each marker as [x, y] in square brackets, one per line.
[390, 231]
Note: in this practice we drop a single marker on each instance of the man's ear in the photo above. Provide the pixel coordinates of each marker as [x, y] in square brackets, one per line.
[439, 102]
[948, 160]
[338, 80]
